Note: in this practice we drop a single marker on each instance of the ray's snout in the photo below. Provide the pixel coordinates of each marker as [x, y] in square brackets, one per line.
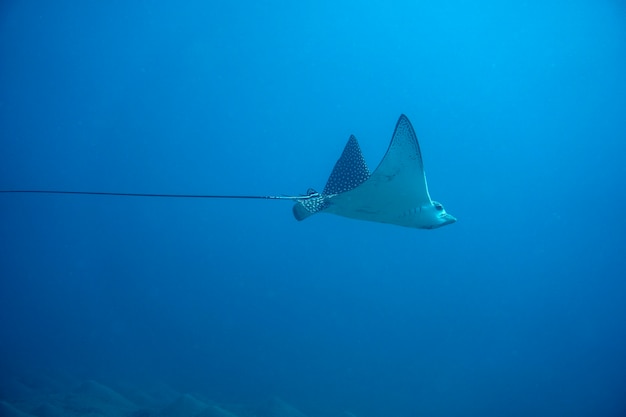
[442, 220]
[447, 219]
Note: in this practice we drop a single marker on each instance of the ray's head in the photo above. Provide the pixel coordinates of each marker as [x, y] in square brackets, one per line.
[438, 216]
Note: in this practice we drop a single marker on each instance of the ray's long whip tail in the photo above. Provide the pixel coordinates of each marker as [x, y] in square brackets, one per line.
[311, 194]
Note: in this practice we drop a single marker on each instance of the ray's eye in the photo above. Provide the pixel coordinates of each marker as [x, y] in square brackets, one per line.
[438, 207]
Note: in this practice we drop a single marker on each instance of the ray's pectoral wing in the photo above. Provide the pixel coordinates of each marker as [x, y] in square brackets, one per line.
[349, 172]
[398, 183]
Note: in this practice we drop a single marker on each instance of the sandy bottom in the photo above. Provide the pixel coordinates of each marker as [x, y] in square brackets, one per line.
[48, 397]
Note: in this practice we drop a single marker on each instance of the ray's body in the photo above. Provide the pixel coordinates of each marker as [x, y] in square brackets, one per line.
[396, 192]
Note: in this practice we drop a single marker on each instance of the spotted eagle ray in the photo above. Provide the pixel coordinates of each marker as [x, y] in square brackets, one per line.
[395, 193]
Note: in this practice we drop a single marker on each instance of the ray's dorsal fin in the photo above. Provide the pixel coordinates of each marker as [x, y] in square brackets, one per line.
[350, 170]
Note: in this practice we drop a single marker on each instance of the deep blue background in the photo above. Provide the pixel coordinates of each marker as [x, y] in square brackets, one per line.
[518, 309]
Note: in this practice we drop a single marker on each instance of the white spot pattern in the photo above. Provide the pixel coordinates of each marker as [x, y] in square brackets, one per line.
[350, 170]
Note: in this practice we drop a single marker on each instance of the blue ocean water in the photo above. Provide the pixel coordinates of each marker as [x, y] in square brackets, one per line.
[517, 309]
